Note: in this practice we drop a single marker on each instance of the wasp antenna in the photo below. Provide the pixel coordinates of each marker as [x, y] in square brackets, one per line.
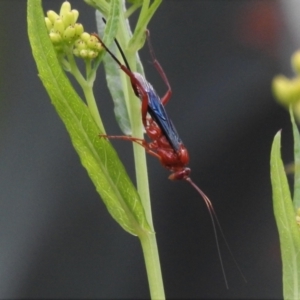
[120, 49]
[106, 48]
[215, 220]
[212, 215]
[123, 55]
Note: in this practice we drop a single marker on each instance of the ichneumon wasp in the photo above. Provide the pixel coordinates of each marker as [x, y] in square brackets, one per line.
[165, 143]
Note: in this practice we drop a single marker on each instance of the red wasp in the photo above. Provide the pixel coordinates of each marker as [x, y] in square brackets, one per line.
[165, 143]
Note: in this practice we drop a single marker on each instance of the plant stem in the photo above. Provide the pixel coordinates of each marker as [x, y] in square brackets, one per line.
[131, 10]
[92, 105]
[140, 156]
[74, 69]
[151, 257]
[148, 241]
[134, 109]
[87, 87]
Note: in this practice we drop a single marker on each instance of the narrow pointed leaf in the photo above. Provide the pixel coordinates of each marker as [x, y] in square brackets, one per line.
[285, 216]
[138, 38]
[114, 78]
[110, 30]
[114, 83]
[296, 161]
[97, 156]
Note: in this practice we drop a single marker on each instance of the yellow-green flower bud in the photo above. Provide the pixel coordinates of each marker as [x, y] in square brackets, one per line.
[68, 19]
[281, 88]
[80, 45]
[49, 24]
[92, 41]
[286, 91]
[55, 37]
[296, 61]
[75, 15]
[92, 54]
[85, 36]
[52, 15]
[99, 47]
[59, 26]
[69, 33]
[294, 91]
[94, 44]
[65, 8]
[78, 29]
[83, 53]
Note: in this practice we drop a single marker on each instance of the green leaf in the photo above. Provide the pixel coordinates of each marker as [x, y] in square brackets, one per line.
[296, 161]
[97, 156]
[112, 25]
[285, 216]
[138, 39]
[115, 76]
[114, 82]
[109, 32]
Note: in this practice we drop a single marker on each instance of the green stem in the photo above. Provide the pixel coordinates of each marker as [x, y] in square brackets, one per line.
[134, 108]
[143, 12]
[74, 69]
[131, 10]
[140, 161]
[151, 257]
[88, 68]
[148, 241]
[87, 87]
[92, 105]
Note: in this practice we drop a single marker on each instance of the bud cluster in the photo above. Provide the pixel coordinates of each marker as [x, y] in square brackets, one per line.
[63, 30]
[88, 46]
[287, 91]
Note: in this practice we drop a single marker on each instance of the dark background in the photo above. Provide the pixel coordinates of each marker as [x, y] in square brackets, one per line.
[57, 239]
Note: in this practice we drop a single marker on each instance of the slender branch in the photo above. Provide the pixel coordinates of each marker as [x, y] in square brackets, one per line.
[148, 241]
[92, 105]
[150, 250]
[131, 10]
[74, 69]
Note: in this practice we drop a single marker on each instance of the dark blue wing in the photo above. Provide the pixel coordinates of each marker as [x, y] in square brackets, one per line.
[159, 114]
